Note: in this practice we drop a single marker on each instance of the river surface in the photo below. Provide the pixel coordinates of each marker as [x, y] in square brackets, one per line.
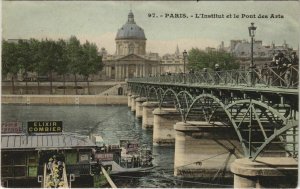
[112, 123]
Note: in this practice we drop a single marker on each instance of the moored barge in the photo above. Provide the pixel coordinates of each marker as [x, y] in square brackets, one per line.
[25, 158]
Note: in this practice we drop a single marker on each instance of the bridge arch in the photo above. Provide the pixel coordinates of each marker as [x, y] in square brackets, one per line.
[177, 101]
[142, 91]
[278, 122]
[152, 94]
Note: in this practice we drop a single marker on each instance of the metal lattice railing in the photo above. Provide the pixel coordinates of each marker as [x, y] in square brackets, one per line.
[287, 77]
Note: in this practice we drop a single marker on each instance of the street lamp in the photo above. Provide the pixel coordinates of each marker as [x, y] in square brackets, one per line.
[252, 30]
[184, 57]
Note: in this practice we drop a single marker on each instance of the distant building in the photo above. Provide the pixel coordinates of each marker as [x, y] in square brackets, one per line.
[241, 49]
[130, 59]
[172, 63]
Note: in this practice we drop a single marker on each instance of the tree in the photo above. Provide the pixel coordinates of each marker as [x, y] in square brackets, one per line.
[62, 66]
[9, 61]
[199, 59]
[24, 59]
[74, 55]
[48, 59]
[36, 58]
[91, 63]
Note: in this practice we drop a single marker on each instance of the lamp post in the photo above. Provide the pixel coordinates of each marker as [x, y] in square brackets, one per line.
[184, 57]
[252, 30]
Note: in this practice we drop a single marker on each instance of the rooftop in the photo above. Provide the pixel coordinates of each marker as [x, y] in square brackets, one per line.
[130, 30]
[45, 141]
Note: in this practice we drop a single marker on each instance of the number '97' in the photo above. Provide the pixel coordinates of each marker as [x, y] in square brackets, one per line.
[151, 15]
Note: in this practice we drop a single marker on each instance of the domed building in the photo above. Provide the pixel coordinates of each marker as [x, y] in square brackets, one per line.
[131, 38]
[130, 59]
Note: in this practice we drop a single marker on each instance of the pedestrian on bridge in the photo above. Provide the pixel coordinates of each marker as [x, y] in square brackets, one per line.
[265, 74]
[217, 74]
[294, 67]
[205, 76]
[276, 65]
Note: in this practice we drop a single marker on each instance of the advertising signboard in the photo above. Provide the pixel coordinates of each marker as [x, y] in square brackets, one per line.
[44, 127]
[11, 127]
[104, 156]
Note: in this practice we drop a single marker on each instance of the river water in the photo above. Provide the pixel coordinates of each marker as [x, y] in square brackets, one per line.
[112, 123]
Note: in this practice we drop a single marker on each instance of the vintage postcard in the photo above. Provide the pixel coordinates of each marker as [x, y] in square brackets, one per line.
[150, 94]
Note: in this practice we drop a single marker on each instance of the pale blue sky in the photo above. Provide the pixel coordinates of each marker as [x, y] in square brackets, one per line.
[98, 21]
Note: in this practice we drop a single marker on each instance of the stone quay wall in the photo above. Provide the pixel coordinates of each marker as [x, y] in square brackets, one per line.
[63, 100]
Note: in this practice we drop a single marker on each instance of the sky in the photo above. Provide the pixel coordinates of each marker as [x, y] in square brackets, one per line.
[99, 21]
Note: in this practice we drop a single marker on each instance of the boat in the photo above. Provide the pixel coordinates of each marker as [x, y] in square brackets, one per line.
[24, 159]
[26, 151]
[125, 157]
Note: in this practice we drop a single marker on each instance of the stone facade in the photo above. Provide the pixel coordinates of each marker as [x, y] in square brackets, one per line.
[172, 63]
[242, 49]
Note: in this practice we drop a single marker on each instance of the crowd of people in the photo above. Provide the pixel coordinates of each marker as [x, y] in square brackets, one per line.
[55, 169]
[278, 72]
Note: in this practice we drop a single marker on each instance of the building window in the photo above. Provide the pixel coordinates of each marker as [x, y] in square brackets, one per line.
[20, 159]
[6, 159]
[7, 171]
[84, 158]
[20, 171]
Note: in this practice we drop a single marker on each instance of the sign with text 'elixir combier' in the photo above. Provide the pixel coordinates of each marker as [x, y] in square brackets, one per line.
[44, 126]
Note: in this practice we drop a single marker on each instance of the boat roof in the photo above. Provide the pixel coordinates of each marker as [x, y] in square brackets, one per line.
[44, 141]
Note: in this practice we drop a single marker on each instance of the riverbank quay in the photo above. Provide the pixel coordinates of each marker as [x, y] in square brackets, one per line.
[64, 99]
[61, 88]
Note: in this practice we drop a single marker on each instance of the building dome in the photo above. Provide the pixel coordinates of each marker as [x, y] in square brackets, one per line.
[130, 30]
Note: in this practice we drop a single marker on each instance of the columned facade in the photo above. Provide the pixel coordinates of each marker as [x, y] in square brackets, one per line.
[130, 66]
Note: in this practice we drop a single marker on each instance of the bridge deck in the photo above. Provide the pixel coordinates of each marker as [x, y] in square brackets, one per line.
[257, 88]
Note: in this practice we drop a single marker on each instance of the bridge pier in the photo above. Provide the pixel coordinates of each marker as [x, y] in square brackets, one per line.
[129, 100]
[133, 105]
[139, 107]
[203, 150]
[163, 126]
[265, 172]
[147, 120]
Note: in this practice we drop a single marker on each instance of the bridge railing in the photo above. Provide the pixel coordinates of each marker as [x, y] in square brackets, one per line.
[286, 77]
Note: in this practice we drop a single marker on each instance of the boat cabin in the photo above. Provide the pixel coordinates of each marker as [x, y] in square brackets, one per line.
[23, 156]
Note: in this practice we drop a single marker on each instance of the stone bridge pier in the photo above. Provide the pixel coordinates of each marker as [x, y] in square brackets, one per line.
[163, 126]
[205, 150]
[265, 172]
[138, 106]
[129, 100]
[133, 104]
[148, 118]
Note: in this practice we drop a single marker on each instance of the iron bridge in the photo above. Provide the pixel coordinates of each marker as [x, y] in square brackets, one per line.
[261, 105]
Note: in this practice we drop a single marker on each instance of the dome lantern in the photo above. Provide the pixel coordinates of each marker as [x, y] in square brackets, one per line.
[131, 18]
[130, 30]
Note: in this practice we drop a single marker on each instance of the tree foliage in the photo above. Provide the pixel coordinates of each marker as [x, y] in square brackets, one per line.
[48, 56]
[9, 58]
[199, 59]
